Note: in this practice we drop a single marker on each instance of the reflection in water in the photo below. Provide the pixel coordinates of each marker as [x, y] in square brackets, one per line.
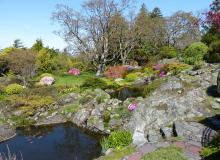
[61, 142]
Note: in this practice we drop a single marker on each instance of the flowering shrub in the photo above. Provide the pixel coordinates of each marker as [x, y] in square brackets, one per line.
[213, 15]
[74, 71]
[162, 74]
[158, 67]
[132, 106]
[47, 80]
[116, 72]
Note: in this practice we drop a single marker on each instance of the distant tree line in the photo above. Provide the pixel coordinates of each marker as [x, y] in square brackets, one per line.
[106, 31]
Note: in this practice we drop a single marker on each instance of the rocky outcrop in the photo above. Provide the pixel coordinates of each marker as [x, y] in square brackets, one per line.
[218, 83]
[6, 133]
[194, 131]
[179, 98]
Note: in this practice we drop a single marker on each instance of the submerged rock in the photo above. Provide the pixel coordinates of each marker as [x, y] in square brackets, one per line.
[6, 133]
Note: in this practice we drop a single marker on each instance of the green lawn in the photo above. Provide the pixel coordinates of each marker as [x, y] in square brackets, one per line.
[67, 79]
[169, 153]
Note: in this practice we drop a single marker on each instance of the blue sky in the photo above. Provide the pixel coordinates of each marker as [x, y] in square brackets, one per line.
[30, 19]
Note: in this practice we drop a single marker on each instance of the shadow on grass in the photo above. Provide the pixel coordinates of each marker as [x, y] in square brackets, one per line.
[215, 156]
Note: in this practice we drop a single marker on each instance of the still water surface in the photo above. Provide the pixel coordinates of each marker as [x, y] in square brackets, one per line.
[59, 142]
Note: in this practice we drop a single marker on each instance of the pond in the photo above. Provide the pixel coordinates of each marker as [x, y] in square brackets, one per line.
[58, 142]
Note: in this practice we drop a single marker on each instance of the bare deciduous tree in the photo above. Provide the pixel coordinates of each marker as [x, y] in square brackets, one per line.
[88, 31]
[182, 29]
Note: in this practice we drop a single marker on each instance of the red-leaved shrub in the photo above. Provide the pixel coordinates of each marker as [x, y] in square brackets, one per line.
[116, 72]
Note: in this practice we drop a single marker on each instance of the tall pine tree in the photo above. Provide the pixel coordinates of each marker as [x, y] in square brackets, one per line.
[156, 13]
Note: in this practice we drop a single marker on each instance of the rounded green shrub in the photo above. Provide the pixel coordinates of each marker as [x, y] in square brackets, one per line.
[195, 53]
[93, 83]
[14, 89]
[117, 140]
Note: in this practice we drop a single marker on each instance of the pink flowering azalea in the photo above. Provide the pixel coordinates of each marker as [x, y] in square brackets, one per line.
[132, 106]
[158, 67]
[162, 74]
[74, 71]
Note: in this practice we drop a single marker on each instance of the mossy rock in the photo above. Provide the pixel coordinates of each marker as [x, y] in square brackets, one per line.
[218, 83]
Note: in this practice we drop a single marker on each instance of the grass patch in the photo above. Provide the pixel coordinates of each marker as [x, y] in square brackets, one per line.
[2, 96]
[70, 108]
[67, 79]
[169, 153]
[199, 118]
[212, 148]
[118, 154]
[21, 121]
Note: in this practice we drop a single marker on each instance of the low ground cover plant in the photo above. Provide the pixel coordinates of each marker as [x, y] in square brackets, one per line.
[116, 140]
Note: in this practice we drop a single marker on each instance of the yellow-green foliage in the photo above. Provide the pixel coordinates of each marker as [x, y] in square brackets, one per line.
[45, 61]
[14, 89]
[28, 104]
[111, 83]
[148, 71]
[68, 89]
[133, 76]
[117, 140]
[176, 67]
[7, 50]
[169, 153]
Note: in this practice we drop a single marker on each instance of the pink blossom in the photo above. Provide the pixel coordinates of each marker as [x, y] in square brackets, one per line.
[132, 106]
[74, 71]
[162, 74]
